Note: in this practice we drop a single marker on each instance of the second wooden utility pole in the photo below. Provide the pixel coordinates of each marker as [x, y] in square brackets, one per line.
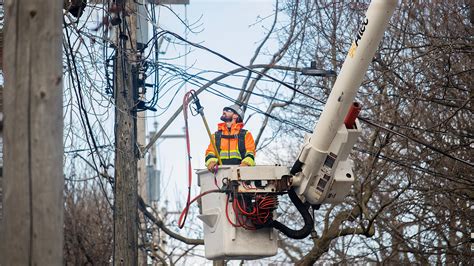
[125, 250]
[31, 232]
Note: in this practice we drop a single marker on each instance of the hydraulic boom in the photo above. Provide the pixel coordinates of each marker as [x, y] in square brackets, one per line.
[240, 221]
[324, 155]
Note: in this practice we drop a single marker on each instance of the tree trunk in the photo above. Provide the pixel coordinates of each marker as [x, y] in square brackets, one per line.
[32, 229]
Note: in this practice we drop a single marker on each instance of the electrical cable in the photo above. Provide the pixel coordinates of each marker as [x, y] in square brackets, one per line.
[85, 118]
[197, 83]
[187, 99]
[186, 209]
[308, 220]
[160, 33]
[431, 147]
[468, 182]
[252, 211]
[250, 107]
[227, 213]
[80, 99]
[365, 120]
[309, 96]
[177, 36]
[222, 95]
[242, 220]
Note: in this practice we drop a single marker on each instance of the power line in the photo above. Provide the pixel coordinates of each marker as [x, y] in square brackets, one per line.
[412, 166]
[196, 78]
[84, 118]
[302, 93]
[237, 64]
[416, 167]
[220, 94]
[429, 146]
[80, 150]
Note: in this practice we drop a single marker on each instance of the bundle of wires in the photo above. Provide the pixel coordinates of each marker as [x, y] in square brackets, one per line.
[252, 211]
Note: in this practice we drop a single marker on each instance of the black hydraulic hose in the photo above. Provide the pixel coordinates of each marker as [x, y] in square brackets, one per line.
[308, 220]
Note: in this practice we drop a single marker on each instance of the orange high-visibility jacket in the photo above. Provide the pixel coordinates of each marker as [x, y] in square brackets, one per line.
[229, 149]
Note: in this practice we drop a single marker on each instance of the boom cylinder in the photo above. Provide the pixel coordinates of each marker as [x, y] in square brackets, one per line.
[352, 115]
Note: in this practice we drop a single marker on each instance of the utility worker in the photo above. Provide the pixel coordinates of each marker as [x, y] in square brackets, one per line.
[235, 144]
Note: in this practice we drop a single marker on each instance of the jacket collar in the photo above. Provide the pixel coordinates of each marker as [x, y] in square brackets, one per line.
[235, 127]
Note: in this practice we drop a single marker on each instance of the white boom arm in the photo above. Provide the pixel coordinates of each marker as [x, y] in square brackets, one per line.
[322, 164]
[321, 174]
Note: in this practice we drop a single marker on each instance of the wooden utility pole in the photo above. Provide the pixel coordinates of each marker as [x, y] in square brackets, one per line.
[130, 172]
[32, 229]
[140, 77]
[126, 152]
[142, 187]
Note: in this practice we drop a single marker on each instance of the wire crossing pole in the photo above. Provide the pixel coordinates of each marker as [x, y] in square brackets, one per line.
[126, 152]
[32, 230]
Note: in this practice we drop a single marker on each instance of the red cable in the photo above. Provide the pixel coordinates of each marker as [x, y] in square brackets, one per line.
[236, 212]
[240, 218]
[186, 99]
[243, 211]
[227, 212]
[257, 216]
[260, 214]
[185, 210]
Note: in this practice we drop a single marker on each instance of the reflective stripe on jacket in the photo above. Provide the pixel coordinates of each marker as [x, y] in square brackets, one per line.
[230, 154]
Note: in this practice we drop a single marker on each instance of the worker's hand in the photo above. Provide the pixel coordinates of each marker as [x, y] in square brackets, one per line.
[244, 164]
[212, 167]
